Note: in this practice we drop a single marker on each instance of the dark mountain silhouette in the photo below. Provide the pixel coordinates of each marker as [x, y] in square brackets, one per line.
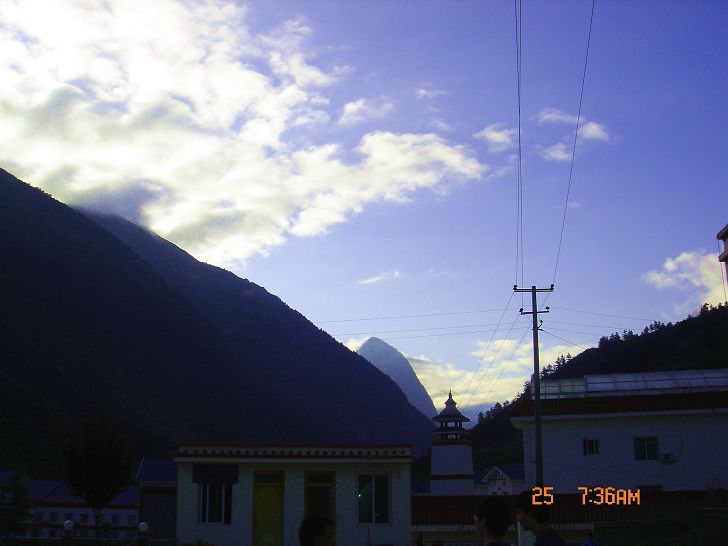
[180, 351]
[390, 361]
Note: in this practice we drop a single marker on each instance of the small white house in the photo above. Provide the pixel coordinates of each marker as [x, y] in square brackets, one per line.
[258, 495]
[657, 431]
[500, 480]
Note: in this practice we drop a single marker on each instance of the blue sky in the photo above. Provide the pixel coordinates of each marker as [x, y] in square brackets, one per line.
[358, 159]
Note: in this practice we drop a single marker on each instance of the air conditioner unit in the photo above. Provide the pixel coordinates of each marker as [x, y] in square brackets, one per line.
[669, 458]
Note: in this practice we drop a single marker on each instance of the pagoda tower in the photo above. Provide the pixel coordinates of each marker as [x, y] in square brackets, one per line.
[451, 466]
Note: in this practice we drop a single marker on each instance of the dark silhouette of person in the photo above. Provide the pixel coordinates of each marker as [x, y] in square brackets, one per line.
[493, 518]
[535, 518]
[317, 531]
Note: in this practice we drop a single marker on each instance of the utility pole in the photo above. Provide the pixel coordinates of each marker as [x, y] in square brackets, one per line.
[536, 379]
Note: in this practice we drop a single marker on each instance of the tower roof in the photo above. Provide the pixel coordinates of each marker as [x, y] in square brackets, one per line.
[451, 413]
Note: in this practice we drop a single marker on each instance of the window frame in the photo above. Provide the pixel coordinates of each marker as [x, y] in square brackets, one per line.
[203, 503]
[644, 448]
[588, 443]
[373, 476]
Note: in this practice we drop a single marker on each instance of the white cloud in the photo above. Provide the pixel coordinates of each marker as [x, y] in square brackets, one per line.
[593, 131]
[588, 130]
[697, 272]
[385, 276]
[497, 137]
[363, 109]
[440, 125]
[179, 115]
[424, 93]
[557, 152]
[552, 115]
[355, 344]
[512, 365]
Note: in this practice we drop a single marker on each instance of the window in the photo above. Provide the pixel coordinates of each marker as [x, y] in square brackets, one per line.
[215, 502]
[591, 446]
[53, 517]
[319, 499]
[645, 448]
[84, 518]
[115, 519]
[373, 497]
[131, 519]
[68, 517]
[216, 491]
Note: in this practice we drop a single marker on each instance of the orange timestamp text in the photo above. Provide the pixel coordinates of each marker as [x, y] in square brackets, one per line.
[590, 495]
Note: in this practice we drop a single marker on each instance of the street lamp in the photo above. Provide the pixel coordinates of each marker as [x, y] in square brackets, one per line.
[67, 532]
[142, 535]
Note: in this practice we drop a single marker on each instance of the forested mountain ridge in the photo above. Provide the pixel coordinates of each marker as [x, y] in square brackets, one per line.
[697, 342]
[178, 350]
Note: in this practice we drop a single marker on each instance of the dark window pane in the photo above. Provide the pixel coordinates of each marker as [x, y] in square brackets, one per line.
[203, 502]
[214, 510]
[639, 449]
[228, 502]
[651, 448]
[364, 492]
[381, 499]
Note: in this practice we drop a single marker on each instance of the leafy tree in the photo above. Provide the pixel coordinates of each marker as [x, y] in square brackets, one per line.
[13, 507]
[98, 464]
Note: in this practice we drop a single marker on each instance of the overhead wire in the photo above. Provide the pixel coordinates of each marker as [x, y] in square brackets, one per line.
[480, 362]
[411, 316]
[510, 358]
[573, 149]
[562, 339]
[505, 338]
[519, 218]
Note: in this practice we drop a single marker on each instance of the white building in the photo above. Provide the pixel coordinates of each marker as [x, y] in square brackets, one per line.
[500, 480]
[723, 257]
[258, 495]
[51, 504]
[451, 466]
[653, 431]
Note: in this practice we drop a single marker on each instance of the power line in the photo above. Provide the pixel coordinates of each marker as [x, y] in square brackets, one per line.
[489, 342]
[519, 220]
[562, 339]
[496, 324]
[510, 358]
[411, 316]
[505, 338]
[449, 334]
[573, 150]
[599, 314]
[420, 329]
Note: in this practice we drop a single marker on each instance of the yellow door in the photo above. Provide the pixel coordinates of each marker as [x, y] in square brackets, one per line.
[268, 509]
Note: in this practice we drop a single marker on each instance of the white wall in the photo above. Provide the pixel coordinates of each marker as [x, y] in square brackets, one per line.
[349, 531]
[699, 440]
